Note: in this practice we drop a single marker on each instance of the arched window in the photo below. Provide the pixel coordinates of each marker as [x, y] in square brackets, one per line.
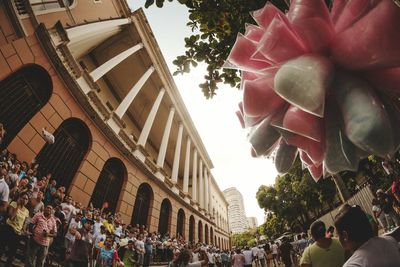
[63, 158]
[143, 204]
[200, 231]
[109, 184]
[212, 234]
[206, 233]
[165, 216]
[180, 224]
[192, 225]
[22, 95]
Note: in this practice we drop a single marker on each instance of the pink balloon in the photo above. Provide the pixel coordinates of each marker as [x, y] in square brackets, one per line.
[303, 123]
[279, 42]
[347, 12]
[241, 52]
[265, 15]
[254, 32]
[372, 42]
[314, 150]
[316, 172]
[259, 98]
[240, 117]
[312, 22]
[305, 158]
[385, 79]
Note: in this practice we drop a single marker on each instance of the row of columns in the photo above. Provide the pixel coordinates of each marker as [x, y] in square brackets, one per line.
[200, 175]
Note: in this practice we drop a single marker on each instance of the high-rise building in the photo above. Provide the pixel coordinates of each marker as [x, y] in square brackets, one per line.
[252, 222]
[91, 73]
[236, 212]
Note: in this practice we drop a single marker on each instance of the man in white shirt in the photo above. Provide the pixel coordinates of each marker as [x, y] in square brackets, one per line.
[248, 257]
[254, 251]
[261, 256]
[356, 235]
[274, 248]
[67, 208]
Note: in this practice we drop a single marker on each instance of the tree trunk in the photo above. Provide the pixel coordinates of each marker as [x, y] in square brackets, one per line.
[344, 193]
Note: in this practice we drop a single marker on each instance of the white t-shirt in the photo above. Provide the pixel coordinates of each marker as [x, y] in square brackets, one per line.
[195, 257]
[67, 209]
[4, 190]
[260, 253]
[194, 264]
[254, 250]
[382, 251]
[274, 248]
[248, 257]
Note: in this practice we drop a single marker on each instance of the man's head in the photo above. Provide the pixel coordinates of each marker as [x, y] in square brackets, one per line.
[318, 230]
[353, 227]
[88, 224]
[48, 210]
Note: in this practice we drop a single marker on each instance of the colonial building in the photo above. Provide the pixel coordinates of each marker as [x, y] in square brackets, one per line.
[91, 73]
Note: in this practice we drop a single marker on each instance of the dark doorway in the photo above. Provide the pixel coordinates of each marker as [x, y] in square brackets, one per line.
[109, 184]
[22, 95]
[63, 158]
[165, 216]
[143, 203]
[180, 223]
[200, 232]
[192, 225]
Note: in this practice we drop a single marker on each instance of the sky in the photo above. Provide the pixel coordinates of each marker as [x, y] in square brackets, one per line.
[215, 119]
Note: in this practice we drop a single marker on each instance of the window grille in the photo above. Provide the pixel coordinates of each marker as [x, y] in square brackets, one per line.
[22, 95]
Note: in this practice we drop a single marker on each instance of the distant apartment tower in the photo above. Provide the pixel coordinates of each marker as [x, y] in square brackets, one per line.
[236, 213]
[252, 222]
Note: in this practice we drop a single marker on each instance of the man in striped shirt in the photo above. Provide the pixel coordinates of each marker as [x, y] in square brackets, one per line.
[44, 229]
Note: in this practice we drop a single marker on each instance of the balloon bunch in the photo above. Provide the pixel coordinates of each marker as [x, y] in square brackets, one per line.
[320, 83]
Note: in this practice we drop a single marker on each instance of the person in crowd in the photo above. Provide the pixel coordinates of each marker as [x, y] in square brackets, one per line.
[184, 259]
[139, 246]
[248, 257]
[330, 232]
[105, 255]
[386, 202]
[2, 133]
[15, 227]
[44, 229]
[356, 235]
[4, 191]
[378, 214]
[74, 225]
[238, 259]
[81, 249]
[286, 251]
[254, 251]
[261, 256]
[274, 249]
[324, 252]
[396, 193]
[225, 258]
[127, 254]
[148, 247]
[302, 243]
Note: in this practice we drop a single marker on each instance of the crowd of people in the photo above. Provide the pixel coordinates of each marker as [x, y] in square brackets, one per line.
[38, 219]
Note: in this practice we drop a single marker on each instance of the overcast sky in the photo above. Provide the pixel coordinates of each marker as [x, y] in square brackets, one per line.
[214, 119]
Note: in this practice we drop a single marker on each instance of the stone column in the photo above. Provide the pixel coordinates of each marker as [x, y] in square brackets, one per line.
[127, 101]
[194, 178]
[186, 170]
[206, 191]
[164, 143]
[201, 185]
[177, 157]
[111, 63]
[144, 134]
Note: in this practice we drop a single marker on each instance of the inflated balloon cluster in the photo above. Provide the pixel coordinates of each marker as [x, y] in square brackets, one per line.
[320, 83]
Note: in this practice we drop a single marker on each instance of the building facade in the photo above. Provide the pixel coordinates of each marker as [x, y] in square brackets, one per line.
[91, 73]
[236, 213]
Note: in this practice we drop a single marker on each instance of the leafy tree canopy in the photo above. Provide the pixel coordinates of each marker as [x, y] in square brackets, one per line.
[215, 25]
